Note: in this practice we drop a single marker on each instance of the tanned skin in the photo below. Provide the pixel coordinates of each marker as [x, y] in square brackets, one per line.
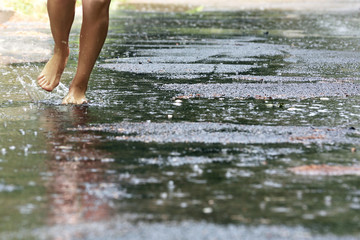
[92, 37]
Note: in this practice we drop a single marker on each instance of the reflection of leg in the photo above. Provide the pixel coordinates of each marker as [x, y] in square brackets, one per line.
[61, 15]
[73, 155]
[92, 37]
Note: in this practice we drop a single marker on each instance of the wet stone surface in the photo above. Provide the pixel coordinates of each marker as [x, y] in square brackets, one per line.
[211, 125]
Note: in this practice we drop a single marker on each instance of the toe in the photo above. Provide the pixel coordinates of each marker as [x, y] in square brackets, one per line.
[40, 77]
[66, 100]
[42, 84]
[42, 81]
[47, 88]
[71, 100]
[84, 101]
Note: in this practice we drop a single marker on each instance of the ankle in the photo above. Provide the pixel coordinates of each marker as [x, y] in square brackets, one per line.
[62, 50]
[77, 89]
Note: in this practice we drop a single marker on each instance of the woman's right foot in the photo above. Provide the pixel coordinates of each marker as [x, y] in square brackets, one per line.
[50, 76]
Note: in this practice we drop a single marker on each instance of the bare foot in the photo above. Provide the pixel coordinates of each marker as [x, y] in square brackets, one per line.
[75, 96]
[50, 76]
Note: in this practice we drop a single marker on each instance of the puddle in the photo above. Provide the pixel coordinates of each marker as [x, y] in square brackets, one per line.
[193, 123]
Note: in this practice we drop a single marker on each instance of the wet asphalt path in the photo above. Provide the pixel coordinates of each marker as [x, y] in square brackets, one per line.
[193, 125]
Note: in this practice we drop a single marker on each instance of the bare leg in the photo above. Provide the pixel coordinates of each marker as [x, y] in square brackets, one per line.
[61, 15]
[92, 37]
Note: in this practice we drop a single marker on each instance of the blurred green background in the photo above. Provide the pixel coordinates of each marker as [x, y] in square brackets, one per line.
[37, 8]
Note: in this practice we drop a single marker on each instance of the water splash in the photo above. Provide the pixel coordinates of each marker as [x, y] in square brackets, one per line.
[36, 94]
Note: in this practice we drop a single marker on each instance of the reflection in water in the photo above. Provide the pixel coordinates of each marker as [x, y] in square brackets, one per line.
[77, 178]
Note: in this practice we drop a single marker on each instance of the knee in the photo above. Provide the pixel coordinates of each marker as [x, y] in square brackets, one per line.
[97, 8]
[100, 4]
[60, 3]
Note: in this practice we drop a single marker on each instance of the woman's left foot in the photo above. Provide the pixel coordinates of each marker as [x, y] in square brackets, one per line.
[74, 97]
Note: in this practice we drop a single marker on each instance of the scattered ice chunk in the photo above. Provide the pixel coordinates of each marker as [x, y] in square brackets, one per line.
[22, 132]
[32, 183]
[107, 160]
[327, 201]
[65, 147]
[197, 169]
[281, 209]
[164, 195]
[26, 209]
[183, 205]
[207, 210]
[308, 216]
[171, 185]
[294, 109]
[7, 188]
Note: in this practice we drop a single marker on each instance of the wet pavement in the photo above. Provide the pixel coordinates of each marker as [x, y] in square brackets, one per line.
[213, 125]
[24, 42]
